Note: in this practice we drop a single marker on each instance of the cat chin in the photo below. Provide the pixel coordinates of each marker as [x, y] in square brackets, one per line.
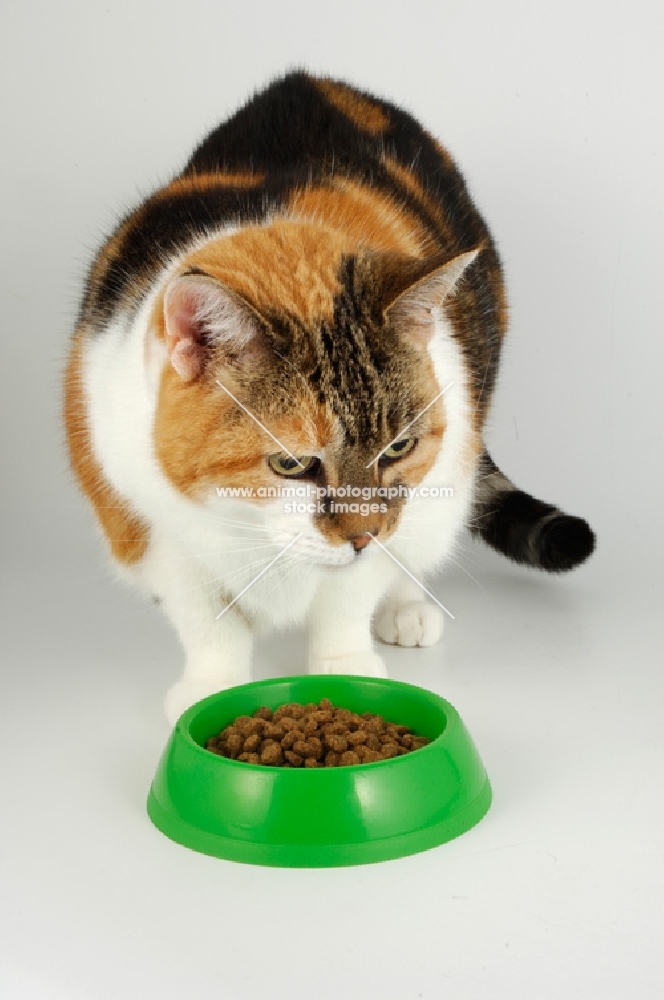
[317, 552]
[333, 560]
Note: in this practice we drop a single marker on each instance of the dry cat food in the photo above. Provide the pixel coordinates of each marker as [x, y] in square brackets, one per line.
[313, 735]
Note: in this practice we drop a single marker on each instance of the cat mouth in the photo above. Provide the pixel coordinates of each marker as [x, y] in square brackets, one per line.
[326, 555]
[319, 553]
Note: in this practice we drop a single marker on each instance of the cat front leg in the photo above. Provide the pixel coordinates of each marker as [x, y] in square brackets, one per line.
[211, 666]
[340, 618]
[217, 649]
[407, 618]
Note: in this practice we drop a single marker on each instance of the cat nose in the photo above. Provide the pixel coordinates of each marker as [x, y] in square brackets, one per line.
[359, 541]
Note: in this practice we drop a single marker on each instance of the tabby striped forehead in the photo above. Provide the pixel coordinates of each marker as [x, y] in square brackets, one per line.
[367, 376]
[371, 379]
[326, 324]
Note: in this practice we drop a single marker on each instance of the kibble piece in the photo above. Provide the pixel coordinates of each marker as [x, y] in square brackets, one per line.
[335, 729]
[288, 722]
[315, 746]
[373, 742]
[389, 750]
[263, 713]
[331, 759]
[337, 743]
[326, 705]
[348, 758]
[293, 758]
[290, 739]
[273, 731]
[357, 737]
[312, 762]
[293, 710]
[271, 753]
[245, 725]
[368, 756]
[310, 747]
[249, 758]
[310, 723]
[235, 744]
[252, 743]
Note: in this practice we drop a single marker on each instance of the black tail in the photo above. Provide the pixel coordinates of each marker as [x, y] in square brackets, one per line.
[525, 529]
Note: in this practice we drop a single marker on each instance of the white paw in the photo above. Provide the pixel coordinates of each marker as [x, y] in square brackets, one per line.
[359, 664]
[186, 693]
[417, 623]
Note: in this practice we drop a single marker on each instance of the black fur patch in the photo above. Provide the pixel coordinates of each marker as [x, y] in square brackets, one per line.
[527, 530]
[565, 542]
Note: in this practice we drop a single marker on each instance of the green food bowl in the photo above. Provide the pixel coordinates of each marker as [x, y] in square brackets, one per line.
[320, 817]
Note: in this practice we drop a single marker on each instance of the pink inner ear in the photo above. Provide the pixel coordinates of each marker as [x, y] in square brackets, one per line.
[183, 329]
[200, 311]
[186, 359]
[416, 320]
[413, 311]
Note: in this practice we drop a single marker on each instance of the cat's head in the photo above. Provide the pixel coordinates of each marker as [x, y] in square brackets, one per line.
[297, 367]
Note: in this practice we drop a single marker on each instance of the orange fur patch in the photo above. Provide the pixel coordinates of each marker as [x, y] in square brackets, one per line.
[207, 182]
[358, 109]
[203, 439]
[126, 533]
[284, 266]
[367, 217]
[200, 441]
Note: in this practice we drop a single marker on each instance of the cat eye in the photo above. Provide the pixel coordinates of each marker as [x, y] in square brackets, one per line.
[398, 449]
[284, 465]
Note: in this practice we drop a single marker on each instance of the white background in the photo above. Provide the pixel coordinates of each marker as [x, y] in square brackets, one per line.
[554, 112]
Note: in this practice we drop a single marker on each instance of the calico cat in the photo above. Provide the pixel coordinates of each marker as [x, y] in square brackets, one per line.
[313, 303]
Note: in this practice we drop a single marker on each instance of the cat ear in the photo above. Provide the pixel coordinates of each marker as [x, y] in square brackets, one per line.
[200, 313]
[428, 284]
